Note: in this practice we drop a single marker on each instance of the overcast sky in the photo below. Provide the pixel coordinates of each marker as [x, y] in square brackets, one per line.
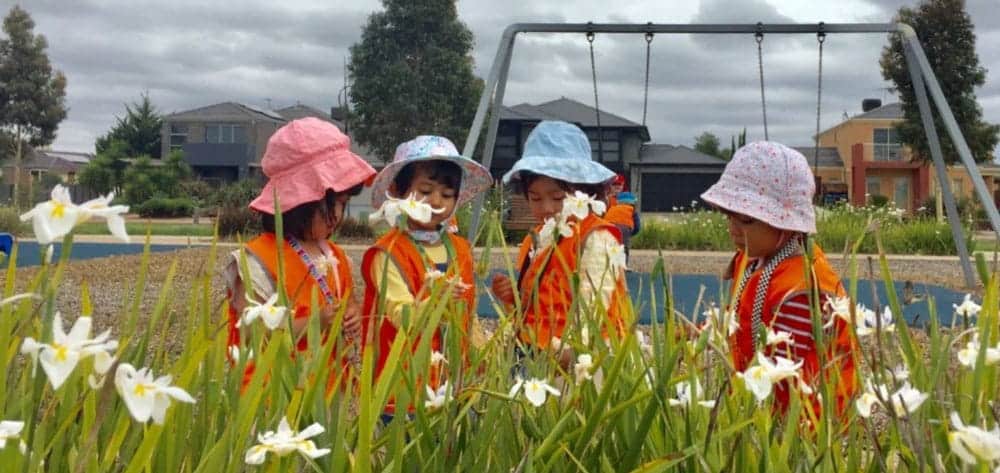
[192, 53]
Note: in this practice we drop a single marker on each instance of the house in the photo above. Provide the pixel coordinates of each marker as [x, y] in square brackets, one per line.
[221, 142]
[668, 177]
[878, 163]
[37, 163]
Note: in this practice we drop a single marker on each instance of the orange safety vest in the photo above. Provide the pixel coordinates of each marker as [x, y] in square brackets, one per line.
[620, 214]
[546, 302]
[298, 282]
[789, 278]
[413, 267]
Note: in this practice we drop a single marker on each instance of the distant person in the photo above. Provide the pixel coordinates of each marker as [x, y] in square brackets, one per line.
[622, 214]
[566, 192]
[766, 192]
[313, 173]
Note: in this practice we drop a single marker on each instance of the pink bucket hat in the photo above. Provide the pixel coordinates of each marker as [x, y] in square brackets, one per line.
[304, 159]
[769, 182]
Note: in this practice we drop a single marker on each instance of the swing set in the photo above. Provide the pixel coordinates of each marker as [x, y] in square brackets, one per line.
[923, 78]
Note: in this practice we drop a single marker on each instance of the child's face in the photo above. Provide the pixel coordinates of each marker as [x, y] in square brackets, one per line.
[757, 238]
[545, 198]
[326, 220]
[437, 194]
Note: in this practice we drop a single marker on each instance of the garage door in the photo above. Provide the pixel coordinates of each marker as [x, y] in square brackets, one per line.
[663, 192]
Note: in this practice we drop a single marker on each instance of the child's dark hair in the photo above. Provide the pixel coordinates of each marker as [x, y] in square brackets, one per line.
[443, 172]
[297, 220]
[599, 191]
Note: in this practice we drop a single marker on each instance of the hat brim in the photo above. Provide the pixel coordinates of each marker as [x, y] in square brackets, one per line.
[572, 171]
[476, 179]
[338, 172]
[722, 198]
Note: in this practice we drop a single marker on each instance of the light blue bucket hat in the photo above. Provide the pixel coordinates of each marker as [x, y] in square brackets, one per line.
[476, 179]
[561, 151]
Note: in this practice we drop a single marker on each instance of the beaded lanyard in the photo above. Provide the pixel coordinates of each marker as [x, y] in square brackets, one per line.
[313, 270]
[756, 317]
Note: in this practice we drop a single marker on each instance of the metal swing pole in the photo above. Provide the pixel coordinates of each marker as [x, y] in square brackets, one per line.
[934, 144]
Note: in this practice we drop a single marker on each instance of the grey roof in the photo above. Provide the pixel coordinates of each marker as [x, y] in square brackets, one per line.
[227, 111]
[828, 156]
[298, 110]
[569, 110]
[889, 111]
[71, 156]
[53, 160]
[676, 156]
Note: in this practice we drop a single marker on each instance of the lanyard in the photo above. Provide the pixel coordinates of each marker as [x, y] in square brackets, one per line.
[320, 278]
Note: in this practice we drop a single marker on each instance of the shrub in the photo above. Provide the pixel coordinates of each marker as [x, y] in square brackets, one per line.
[239, 193]
[878, 200]
[10, 221]
[233, 220]
[355, 228]
[699, 230]
[160, 207]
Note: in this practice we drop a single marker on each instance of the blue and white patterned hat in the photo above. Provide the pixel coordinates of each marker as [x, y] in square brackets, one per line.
[475, 178]
[559, 150]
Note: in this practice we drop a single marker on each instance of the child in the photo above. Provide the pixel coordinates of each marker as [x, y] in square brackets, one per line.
[313, 173]
[766, 192]
[622, 214]
[560, 180]
[397, 267]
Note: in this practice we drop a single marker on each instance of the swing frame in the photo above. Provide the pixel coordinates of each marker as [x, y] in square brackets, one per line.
[922, 75]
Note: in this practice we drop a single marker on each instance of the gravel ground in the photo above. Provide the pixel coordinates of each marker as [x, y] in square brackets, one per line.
[112, 280]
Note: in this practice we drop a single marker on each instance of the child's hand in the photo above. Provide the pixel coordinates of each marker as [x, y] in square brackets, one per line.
[503, 289]
[352, 322]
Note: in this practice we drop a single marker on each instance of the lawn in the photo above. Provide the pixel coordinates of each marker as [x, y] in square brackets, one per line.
[140, 228]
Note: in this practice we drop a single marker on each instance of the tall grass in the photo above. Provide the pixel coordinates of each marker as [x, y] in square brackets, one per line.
[622, 420]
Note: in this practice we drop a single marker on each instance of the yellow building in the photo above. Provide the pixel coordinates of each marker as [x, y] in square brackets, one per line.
[877, 163]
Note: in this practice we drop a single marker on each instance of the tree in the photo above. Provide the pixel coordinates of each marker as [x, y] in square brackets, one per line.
[945, 32]
[106, 172]
[139, 130]
[144, 180]
[411, 74]
[708, 143]
[32, 94]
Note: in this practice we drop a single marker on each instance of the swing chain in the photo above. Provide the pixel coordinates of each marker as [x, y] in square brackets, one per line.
[759, 36]
[645, 92]
[597, 106]
[820, 37]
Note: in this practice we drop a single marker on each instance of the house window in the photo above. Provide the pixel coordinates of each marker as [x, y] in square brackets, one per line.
[901, 194]
[225, 133]
[178, 136]
[885, 144]
[873, 186]
[611, 144]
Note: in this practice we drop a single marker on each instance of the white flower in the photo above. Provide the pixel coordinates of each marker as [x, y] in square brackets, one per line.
[555, 343]
[49, 249]
[868, 320]
[272, 315]
[584, 363]
[433, 275]
[616, 255]
[760, 378]
[686, 395]
[234, 353]
[146, 397]
[389, 211]
[285, 441]
[904, 401]
[780, 337]
[551, 226]
[644, 346]
[900, 373]
[840, 307]
[436, 399]
[967, 308]
[60, 358]
[968, 355]
[438, 358]
[973, 444]
[726, 323]
[56, 217]
[535, 390]
[579, 205]
[9, 430]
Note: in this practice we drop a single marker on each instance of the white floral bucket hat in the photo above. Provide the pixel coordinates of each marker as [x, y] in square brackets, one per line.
[769, 182]
[476, 179]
